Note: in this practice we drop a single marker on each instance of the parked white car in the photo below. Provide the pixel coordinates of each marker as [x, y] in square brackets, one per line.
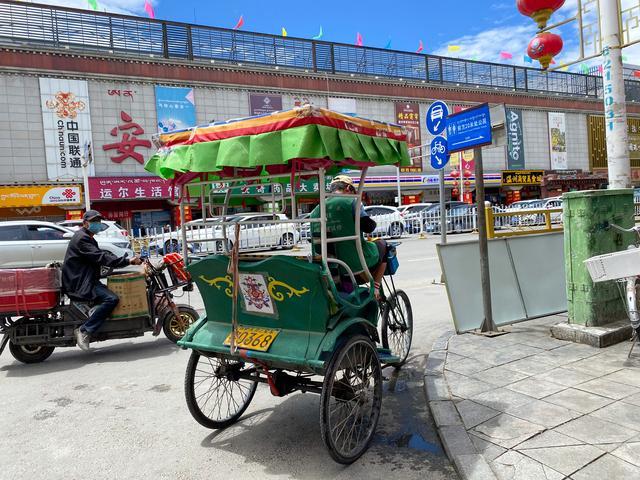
[413, 216]
[113, 229]
[32, 243]
[388, 219]
[206, 236]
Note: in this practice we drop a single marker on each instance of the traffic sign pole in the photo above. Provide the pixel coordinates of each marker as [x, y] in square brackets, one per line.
[443, 210]
[488, 325]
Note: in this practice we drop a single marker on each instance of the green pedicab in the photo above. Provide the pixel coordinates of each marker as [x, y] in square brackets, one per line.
[281, 318]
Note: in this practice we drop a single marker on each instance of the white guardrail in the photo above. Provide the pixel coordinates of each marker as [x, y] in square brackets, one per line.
[206, 237]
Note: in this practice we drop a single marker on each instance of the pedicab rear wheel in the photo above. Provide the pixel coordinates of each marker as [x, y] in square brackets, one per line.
[216, 395]
[351, 399]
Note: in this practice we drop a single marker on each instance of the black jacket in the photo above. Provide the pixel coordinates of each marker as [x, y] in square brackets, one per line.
[82, 262]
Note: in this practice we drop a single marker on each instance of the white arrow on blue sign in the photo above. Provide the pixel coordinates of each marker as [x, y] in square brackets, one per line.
[437, 117]
[439, 152]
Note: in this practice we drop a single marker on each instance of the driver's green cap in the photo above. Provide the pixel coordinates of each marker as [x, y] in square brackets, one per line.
[92, 216]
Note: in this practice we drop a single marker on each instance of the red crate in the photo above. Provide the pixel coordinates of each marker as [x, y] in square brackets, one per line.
[27, 291]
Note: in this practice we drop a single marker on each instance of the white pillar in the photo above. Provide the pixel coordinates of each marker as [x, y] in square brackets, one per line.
[615, 107]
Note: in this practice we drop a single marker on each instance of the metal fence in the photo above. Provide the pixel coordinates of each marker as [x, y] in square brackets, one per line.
[60, 28]
[204, 238]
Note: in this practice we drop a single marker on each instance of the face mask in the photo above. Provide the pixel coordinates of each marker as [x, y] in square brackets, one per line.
[95, 227]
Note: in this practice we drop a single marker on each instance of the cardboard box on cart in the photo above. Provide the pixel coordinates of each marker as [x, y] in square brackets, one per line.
[131, 288]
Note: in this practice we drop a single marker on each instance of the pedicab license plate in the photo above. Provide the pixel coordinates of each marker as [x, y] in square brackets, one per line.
[253, 338]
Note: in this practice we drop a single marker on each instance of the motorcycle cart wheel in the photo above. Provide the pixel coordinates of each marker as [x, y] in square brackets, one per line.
[351, 399]
[287, 241]
[216, 395]
[30, 353]
[397, 325]
[174, 327]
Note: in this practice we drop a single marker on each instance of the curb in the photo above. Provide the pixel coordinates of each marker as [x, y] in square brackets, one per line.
[468, 462]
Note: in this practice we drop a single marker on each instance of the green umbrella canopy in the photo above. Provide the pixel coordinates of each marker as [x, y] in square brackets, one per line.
[304, 138]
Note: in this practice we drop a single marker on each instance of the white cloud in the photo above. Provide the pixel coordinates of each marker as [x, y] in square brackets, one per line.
[487, 45]
[129, 7]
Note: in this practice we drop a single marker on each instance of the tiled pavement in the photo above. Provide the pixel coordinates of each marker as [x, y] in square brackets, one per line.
[527, 406]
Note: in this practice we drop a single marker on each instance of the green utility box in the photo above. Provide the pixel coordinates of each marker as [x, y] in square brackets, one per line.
[586, 216]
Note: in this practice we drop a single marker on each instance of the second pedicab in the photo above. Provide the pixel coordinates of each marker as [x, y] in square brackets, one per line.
[297, 320]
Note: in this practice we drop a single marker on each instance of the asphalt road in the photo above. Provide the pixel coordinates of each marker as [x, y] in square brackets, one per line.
[119, 412]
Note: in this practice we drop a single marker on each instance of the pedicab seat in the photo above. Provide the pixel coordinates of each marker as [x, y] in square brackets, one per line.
[279, 292]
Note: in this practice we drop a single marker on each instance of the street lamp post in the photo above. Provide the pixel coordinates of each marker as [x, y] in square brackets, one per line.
[615, 105]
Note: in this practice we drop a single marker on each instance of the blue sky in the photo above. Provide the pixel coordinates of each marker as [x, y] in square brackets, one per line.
[483, 28]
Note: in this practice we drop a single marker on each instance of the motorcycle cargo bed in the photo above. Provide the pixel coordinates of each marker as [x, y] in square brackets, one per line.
[28, 291]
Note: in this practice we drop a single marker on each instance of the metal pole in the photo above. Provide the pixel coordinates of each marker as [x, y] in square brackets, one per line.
[443, 210]
[85, 179]
[487, 324]
[399, 187]
[615, 107]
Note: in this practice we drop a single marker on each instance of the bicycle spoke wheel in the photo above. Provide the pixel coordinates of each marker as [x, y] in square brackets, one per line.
[351, 399]
[397, 325]
[215, 393]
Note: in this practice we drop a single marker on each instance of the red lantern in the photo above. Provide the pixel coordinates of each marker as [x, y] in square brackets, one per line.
[455, 183]
[466, 173]
[539, 10]
[543, 47]
[467, 183]
[455, 173]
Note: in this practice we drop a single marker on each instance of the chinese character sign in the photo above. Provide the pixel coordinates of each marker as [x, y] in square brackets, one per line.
[67, 126]
[175, 108]
[138, 187]
[408, 115]
[515, 139]
[127, 132]
[558, 141]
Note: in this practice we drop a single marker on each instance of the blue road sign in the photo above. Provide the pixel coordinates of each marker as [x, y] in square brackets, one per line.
[439, 152]
[469, 129]
[437, 117]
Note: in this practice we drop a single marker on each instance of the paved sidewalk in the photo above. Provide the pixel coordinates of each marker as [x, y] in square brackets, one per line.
[527, 406]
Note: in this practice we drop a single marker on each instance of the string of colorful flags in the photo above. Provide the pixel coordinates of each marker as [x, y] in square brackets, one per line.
[503, 55]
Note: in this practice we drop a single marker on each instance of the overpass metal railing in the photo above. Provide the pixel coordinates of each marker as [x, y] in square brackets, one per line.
[32, 25]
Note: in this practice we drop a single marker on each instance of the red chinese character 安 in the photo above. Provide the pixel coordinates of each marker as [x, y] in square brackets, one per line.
[129, 142]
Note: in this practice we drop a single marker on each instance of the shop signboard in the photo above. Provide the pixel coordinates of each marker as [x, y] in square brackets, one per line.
[40, 195]
[67, 126]
[260, 104]
[558, 141]
[515, 139]
[304, 186]
[522, 177]
[175, 108]
[408, 115]
[131, 188]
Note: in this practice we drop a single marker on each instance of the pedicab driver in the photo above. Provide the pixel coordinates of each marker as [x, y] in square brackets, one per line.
[375, 253]
[81, 275]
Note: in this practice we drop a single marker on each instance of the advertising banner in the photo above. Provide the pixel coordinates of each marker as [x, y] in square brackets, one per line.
[39, 195]
[515, 139]
[67, 126]
[127, 188]
[260, 104]
[408, 115]
[558, 141]
[175, 108]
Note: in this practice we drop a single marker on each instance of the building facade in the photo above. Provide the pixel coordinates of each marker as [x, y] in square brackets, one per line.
[67, 105]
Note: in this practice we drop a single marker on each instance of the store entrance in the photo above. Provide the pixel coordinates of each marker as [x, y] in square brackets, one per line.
[150, 222]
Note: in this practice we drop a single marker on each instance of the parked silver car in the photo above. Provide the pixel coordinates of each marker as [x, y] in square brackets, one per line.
[32, 243]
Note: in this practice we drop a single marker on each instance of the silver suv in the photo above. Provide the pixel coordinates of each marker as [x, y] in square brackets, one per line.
[32, 243]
